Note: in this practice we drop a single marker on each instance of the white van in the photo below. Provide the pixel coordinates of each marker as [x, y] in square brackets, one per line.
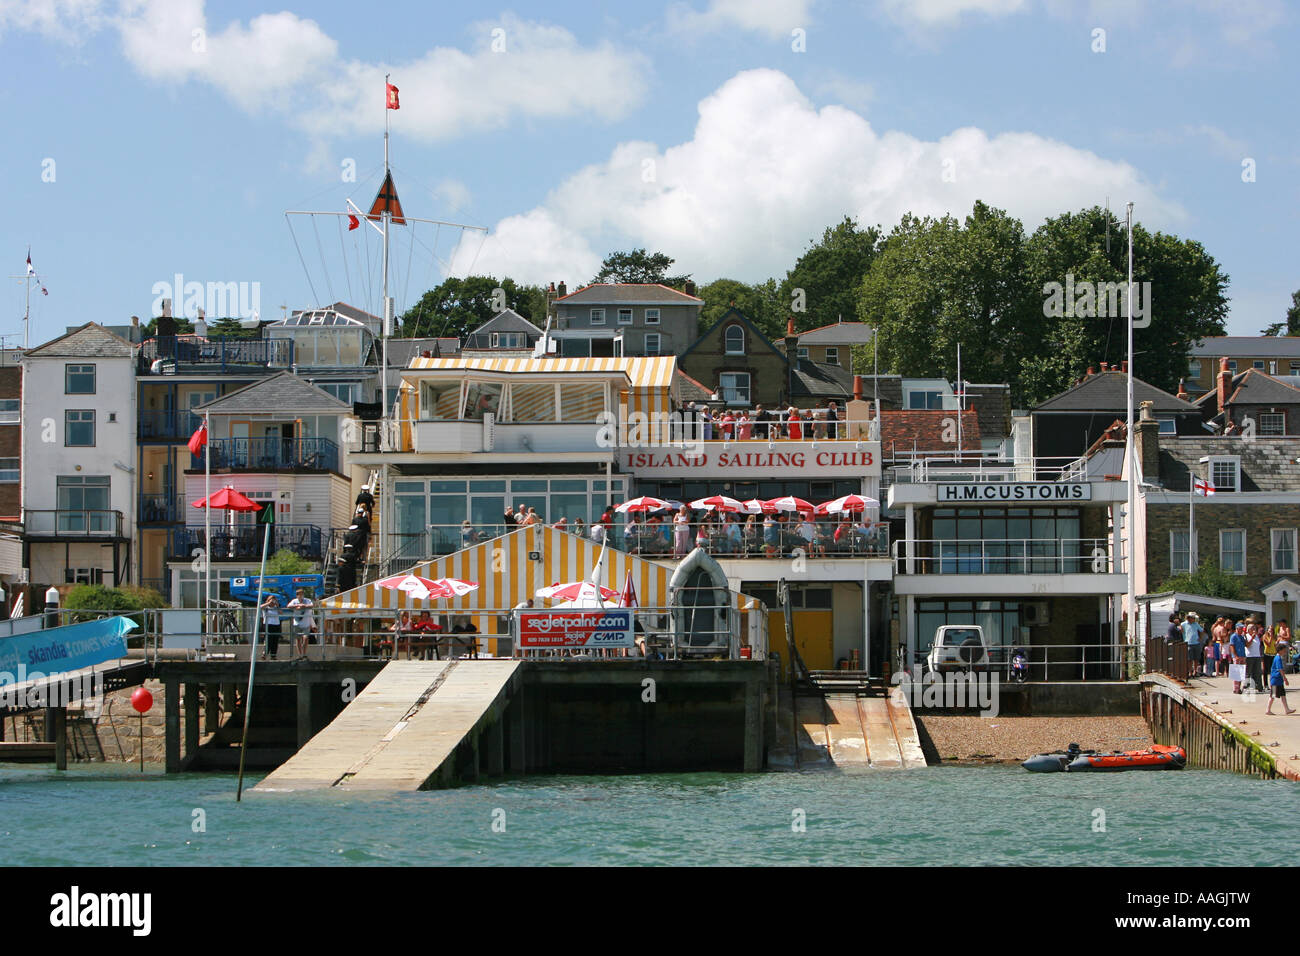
[958, 647]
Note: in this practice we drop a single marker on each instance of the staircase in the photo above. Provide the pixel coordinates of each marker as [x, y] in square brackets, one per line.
[366, 572]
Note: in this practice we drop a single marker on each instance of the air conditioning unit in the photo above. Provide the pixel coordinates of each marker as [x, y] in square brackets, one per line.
[1033, 612]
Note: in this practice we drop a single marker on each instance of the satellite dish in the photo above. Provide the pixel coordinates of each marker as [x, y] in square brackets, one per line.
[252, 322]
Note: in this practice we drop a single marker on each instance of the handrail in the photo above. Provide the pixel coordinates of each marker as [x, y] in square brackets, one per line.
[1007, 556]
[1048, 662]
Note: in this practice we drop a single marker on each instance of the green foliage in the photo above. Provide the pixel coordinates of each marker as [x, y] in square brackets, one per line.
[97, 597]
[183, 327]
[146, 597]
[285, 561]
[232, 329]
[829, 272]
[638, 266]
[1291, 326]
[459, 306]
[1209, 579]
[761, 304]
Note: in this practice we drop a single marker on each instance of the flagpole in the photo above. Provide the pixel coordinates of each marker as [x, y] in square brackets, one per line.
[1128, 448]
[207, 524]
[1191, 527]
[252, 654]
[387, 220]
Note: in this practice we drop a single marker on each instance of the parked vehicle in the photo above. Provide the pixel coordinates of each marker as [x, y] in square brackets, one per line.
[958, 647]
[1019, 665]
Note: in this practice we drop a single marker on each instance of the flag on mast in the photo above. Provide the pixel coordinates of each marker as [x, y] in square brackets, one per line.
[353, 222]
[1203, 487]
[30, 271]
[198, 440]
[391, 100]
[386, 201]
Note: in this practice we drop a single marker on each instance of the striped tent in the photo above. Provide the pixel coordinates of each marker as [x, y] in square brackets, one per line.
[506, 577]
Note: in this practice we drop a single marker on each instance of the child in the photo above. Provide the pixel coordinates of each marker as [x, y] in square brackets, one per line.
[1277, 679]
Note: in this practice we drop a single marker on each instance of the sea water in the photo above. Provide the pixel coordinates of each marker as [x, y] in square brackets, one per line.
[101, 815]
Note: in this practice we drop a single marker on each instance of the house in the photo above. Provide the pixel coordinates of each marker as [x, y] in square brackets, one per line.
[1253, 401]
[833, 344]
[1274, 354]
[78, 438]
[1249, 525]
[1066, 424]
[504, 332]
[623, 319]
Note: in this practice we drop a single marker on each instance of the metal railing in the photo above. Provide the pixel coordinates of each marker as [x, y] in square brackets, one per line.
[977, 466]
[1047, 663]
[244, 543]
[167, 425]
[219, 353]
[72, 523]
[1009, 556]
[162, 509]
[688, 429]
[275, 454]
[1164, 656]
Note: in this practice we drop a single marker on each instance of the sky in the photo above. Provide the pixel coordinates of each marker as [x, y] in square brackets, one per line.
[151, 139]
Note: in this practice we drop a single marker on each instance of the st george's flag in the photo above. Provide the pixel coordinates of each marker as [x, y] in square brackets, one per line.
[391, 97]
[1203, 487]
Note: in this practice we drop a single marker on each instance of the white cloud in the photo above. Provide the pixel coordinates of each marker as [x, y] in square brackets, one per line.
[765, 172]
[946, 12]
[68, 21]
[774, 18]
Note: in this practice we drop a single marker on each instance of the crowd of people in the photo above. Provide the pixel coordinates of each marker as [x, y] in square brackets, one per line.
[793, 424]
[1261, 654]
[425, 637]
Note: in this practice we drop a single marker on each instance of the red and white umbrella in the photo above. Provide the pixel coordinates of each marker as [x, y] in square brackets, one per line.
[423, 589]
[573, 590]
[757, 506]
[847, 503]
[644, 503]
[719, 503]
[228, 499]
[790, 503]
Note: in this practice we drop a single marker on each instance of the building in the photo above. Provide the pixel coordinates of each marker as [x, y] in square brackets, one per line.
[1248, 526]
[624, 319]
[1252, 401]
[1274, 354]
[834, 344]
[78, 439]
[506, 331]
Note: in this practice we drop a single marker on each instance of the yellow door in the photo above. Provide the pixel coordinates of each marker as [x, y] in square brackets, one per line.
[814, 637]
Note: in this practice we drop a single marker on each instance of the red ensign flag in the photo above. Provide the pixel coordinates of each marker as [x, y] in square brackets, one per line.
[392, 97]
[353, 222]
[198, 440]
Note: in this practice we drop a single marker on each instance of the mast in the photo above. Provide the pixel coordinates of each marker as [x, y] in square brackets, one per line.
[1128, 442]
[387, 303]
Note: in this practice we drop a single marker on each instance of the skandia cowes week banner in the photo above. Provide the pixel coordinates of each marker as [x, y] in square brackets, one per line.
[57, 650]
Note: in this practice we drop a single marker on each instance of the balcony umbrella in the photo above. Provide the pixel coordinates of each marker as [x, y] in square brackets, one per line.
[719, 503]
[757, 506]
[846, 503]
[643, 504]
[228, 499]
[425, 589]
[790, 503]
[573, 590]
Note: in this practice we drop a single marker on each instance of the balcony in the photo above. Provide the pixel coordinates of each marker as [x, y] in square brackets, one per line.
[162, 509]
[1008, 565]
[275, 454]
[244, 543]
[72, 524]
[170, 425]
[187, 353]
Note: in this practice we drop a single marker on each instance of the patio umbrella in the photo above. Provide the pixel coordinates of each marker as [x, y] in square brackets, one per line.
[720, 503]
[572, 591]
[424, 589]
[228, 499]
[757, 506]
[847, 503]
[587, 596]
[643, 504]
[790, 503]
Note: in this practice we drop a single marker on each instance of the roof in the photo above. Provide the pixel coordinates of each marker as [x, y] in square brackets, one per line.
[91, 340]
[889, 389]
[507, 321]
[692, 390]
[1108, 391]
[401, 352]
[1253, 387]
[820, 380]
[992, 405]
[284, 393]
[1247, 346]
[1267, 463]
[838, 333]
[629, 293]
[733, 314]
[924, 429]
[651, 372]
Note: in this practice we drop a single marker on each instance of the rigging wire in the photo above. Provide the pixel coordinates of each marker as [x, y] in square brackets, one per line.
[305, 271]
[329, 286]
[347, 274]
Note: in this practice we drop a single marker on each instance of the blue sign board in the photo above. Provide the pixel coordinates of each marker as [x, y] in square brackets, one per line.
[63, 649]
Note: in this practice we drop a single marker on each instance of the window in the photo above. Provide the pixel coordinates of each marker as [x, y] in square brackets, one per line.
[1259, 365]
[1179, 559]
[919, 399]
[83, 503]
[8, 470]
[833, 356]
[1272, 423]
[652, 343]
[1194, 368]
[734, 387]
[10, 411]
[597, 316]
[1232, 366]
[734, 339]
[481, 398]
[1168, 426]
[79, 379]
[79, 428]
[624, 316]
[532, 403]
[509, 340]
[439, 401]
[83, 575]
[802, 352]
[1295, 368]
[1226, 474]
[581, 401]
[651, 316]
[1232, 551]
[343, 391]
[1283, 550]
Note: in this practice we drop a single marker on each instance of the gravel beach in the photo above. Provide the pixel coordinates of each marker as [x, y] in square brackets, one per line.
[962, 739]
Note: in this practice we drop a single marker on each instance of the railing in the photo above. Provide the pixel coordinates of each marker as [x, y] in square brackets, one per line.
[1164, 656]
[73, 523]
[977, 466]
[217, 353]
[275, 454]
[1045, 662]
[1009, 556]
[688, 429]
[245, 543]
[162, 509]
[168, 425]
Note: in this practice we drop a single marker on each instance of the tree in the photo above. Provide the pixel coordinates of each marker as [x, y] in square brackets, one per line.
[457, 306]
[285, 561]
[183, 326]
[1292, 323]
[829, 274]
[638, 266]
[1208, 579]
[123, 600]
[229, 328]
[761, 303]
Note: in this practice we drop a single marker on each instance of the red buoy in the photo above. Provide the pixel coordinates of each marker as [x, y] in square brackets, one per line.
[141, 700]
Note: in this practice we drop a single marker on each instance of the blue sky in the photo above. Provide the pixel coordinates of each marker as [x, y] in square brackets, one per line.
[726, 133]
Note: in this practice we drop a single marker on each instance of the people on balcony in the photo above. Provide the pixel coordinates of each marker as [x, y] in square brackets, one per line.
[744, 425]
[762, 423]
[681, 532]
[728, 425]
[794, 428]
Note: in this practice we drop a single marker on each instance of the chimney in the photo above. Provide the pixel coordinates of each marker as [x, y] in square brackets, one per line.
[1182, 390]
[426, 354]
[1091, 371]
[1105, 366]
[561, 292]
[1124, 366]
[1225, 382]
[1146, 441]
[167, 308]
[135, 321]
[857, 388]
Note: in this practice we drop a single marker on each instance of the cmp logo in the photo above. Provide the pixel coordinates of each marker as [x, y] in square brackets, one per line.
[76, 909]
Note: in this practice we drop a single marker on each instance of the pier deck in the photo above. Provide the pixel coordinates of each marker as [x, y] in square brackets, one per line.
[403, 731]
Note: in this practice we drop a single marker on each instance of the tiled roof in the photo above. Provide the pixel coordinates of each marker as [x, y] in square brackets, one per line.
[837, 333]
[507, 321]
[923, 430]
[284, 394]
[402, 352]
[821, 380]
[1107, 391]
[1267, 464]
[1253, 387]
[91, 340]
[992, 405]
[629, 293]
[692, 390]
[1247, 346]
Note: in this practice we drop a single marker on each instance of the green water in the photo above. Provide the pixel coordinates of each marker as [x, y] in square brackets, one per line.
[113, 815]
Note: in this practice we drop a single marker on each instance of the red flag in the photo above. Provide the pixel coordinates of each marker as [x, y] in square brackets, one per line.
[392, 97]
[198, 440]
[353, 222]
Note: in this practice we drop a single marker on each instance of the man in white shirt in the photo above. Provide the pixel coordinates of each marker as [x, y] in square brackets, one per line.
[598, 532]
[1254, 656]
[304, 621]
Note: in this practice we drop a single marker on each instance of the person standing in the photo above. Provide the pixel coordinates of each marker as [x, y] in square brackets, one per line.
[1254, 656]
[270, 611]
[1277, 679]
[795, 427]
[304, 621]
[681, 532]
[1269, 640]
[760, 422]
[1192, 632]
[1238, 643]
[832, 421]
